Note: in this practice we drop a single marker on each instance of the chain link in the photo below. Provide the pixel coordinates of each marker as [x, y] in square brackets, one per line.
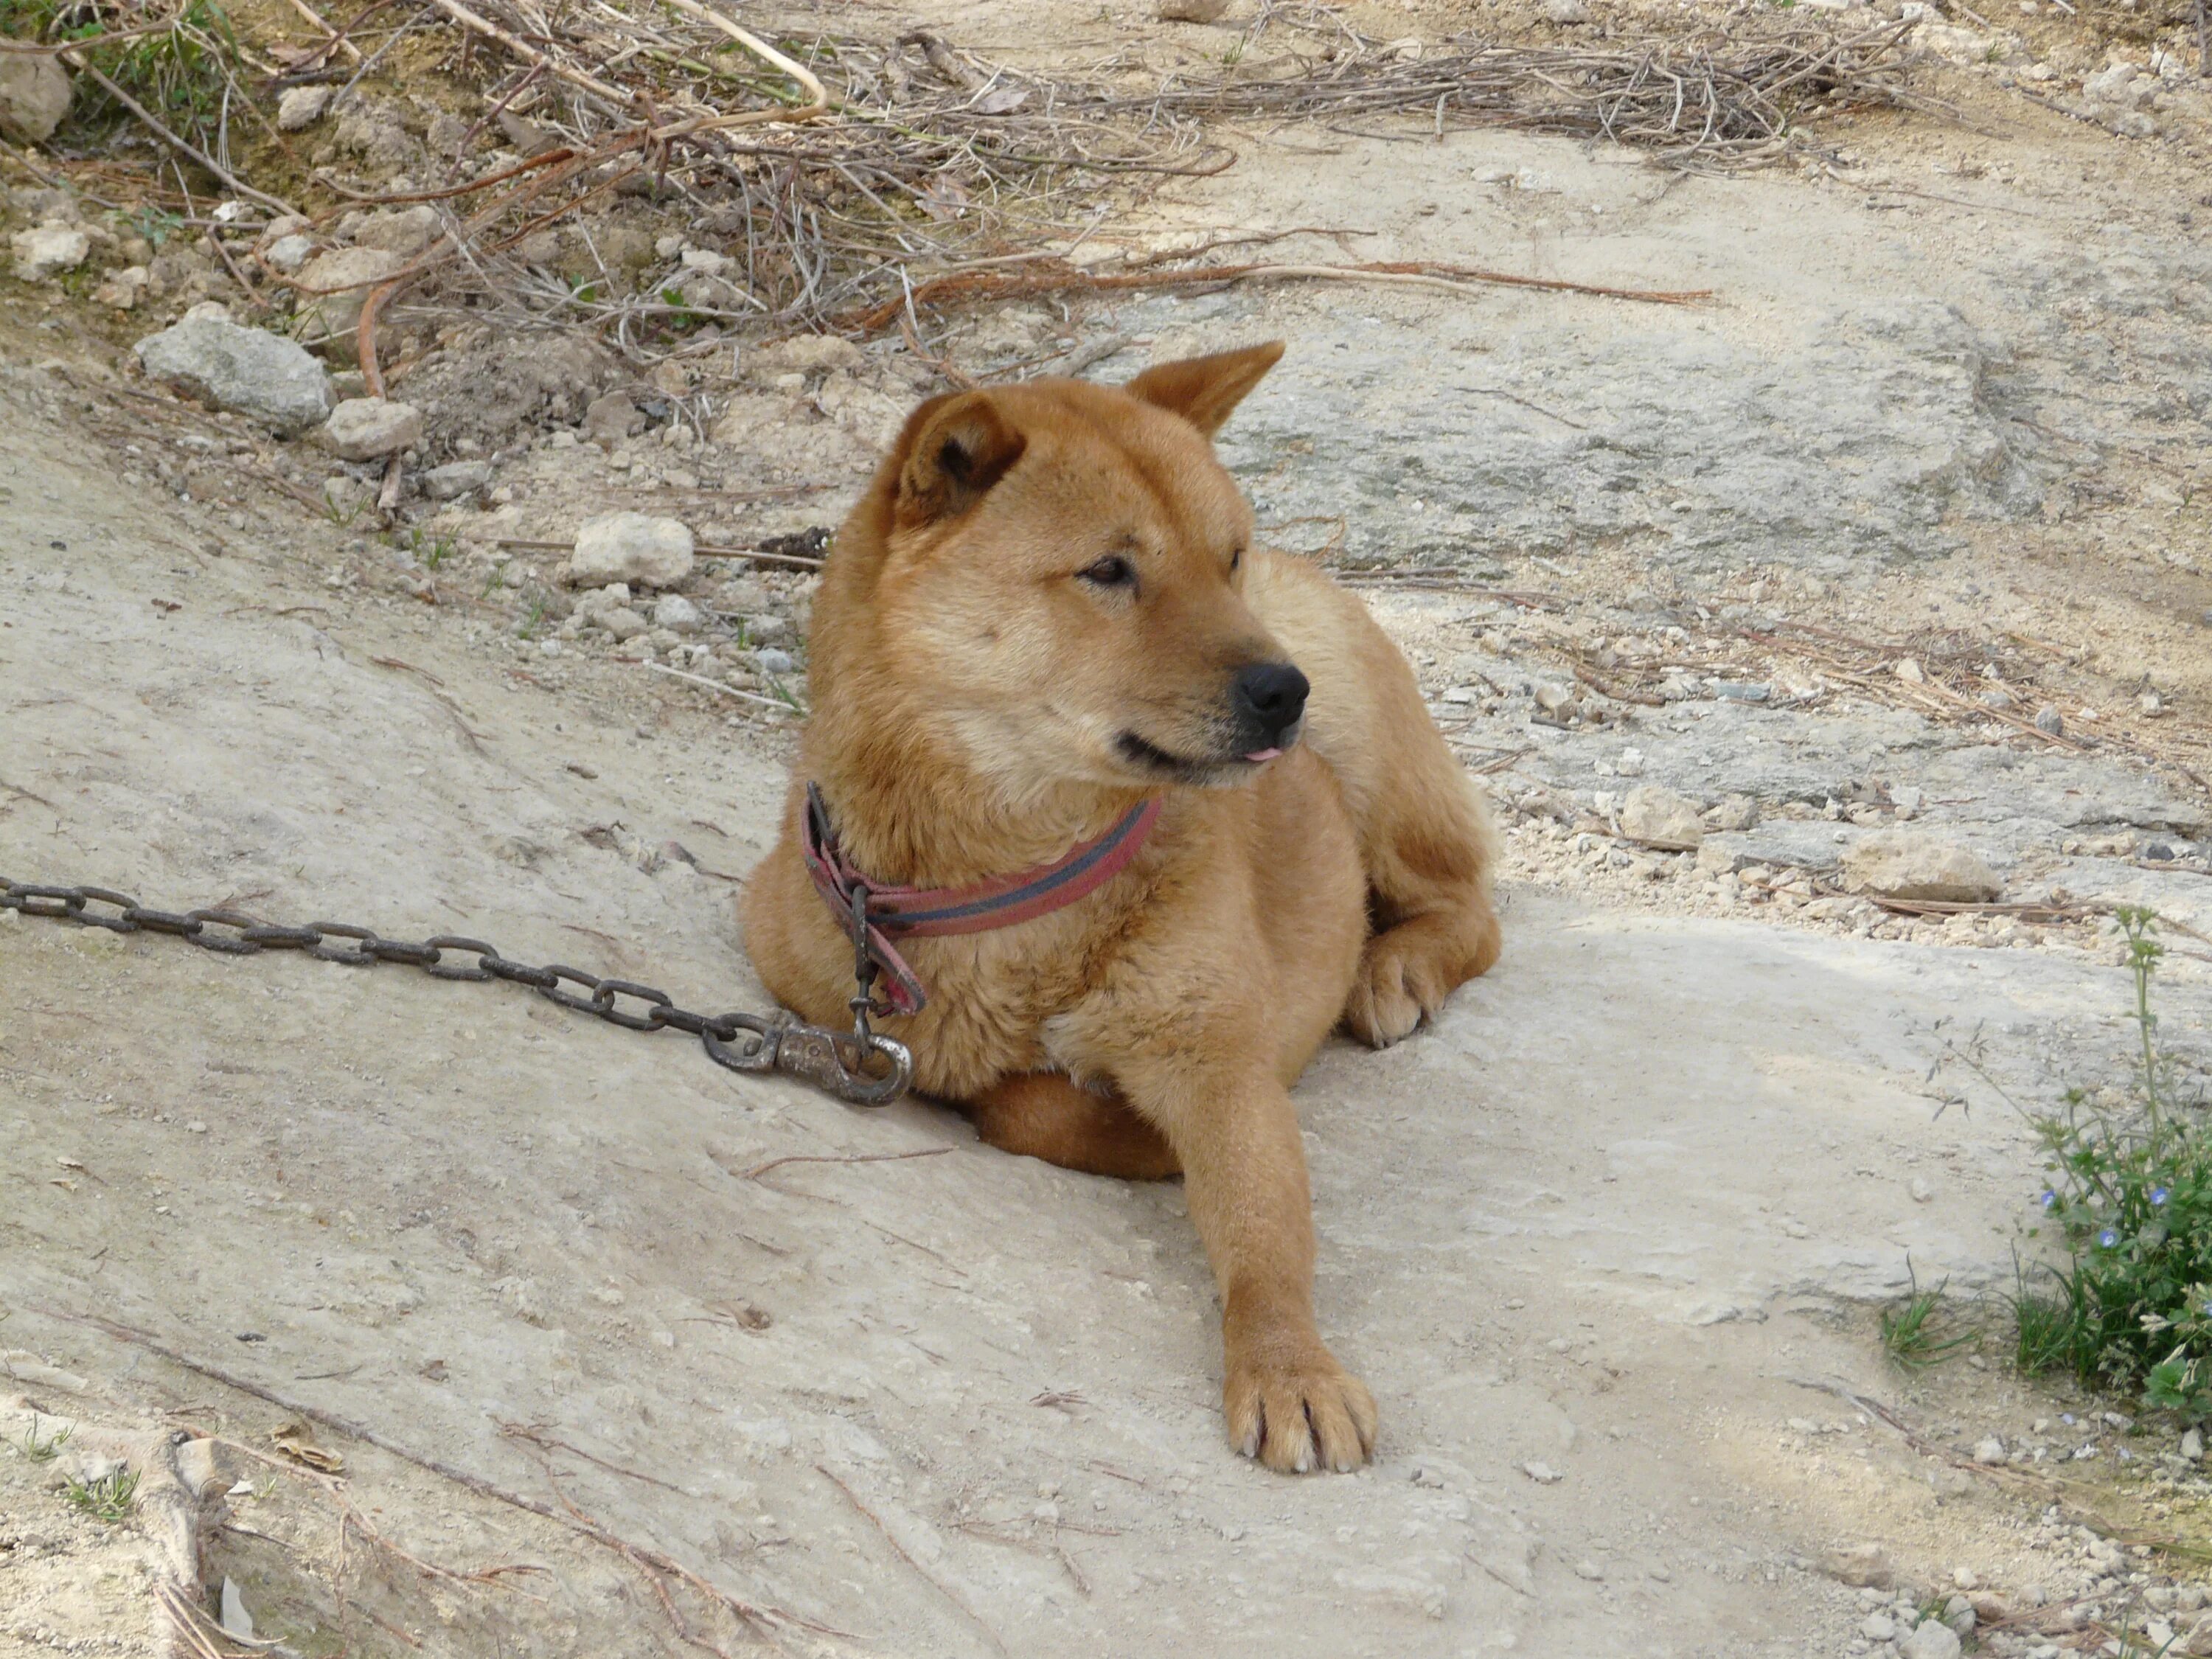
[864, 1068]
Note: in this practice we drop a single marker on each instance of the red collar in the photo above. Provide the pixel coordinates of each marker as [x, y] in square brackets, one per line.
[888, 913]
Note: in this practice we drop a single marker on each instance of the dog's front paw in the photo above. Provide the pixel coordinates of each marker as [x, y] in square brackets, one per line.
[1293, 1407]
[1396, 987]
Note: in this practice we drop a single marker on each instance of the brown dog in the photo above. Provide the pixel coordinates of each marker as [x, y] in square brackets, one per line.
[1045, 611]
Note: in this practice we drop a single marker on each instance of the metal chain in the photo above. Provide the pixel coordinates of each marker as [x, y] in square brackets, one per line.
[846, 1066]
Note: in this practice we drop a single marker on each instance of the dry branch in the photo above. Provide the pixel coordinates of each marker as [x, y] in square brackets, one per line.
[1057, 277]
[1711, 100]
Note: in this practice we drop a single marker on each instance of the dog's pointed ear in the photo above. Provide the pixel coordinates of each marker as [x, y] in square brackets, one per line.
[1204, 390]
[954, 448]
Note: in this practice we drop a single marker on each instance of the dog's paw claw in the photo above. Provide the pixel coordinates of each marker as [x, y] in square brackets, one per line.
[1300, 1414]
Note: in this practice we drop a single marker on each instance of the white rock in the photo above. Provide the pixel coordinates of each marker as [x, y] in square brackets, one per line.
[1930, 1639]
[1878, 1628]
[1542, 1473]
[678, 614]
[1991, 1450]
[1659, 817]
[613, 597]
[123, 288]
[34, 95]
[622, 623]
[1866, 1564]
[301, 107]
[262, 376]
[1566, 11]
[289, 253]
[2192, 1445]
[1907, 864]
[1922, 1190]
[369, 429]
[404, 231]
[1192, 11]
[47, 250]
[2122, 87]
[456, 479]
[334, 286]
[629, 547]
[805, 353]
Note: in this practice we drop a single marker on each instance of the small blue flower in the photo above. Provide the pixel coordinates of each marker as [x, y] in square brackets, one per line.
[2108, 1238]
[2160, 1194]
[2050, 1199]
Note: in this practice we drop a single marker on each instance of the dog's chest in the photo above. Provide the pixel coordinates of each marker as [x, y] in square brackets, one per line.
[991, 998]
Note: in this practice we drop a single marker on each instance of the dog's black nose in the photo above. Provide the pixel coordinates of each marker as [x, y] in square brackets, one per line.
[1270, 697]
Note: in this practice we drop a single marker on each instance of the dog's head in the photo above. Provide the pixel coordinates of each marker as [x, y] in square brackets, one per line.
[1052, 573]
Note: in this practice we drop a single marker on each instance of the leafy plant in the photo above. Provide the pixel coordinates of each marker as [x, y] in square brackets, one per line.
[156, 224]
[108, 1498]
[2130, 1203]
[181, 73]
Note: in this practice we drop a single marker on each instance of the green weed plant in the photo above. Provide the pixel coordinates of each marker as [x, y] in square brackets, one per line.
[2129, 1306]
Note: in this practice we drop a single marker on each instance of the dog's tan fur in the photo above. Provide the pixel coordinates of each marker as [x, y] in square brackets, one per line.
[971, 682]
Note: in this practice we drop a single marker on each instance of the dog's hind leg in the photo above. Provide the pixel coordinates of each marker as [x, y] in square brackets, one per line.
[1428, 887]
[1425, 841]
[1046, 1115]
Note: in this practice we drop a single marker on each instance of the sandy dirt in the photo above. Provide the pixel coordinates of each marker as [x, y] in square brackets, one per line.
[1589, 1239]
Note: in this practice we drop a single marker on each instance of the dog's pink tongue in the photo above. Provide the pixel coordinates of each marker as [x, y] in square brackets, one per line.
[1258, 755]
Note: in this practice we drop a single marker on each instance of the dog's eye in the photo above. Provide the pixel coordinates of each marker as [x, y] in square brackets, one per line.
[1236, 558]
[1112, 571]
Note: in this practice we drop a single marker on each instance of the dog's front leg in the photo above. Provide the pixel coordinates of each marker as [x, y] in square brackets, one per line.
[1289, 1403]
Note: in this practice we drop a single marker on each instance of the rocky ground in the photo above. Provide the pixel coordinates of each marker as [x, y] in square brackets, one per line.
[1835, 650]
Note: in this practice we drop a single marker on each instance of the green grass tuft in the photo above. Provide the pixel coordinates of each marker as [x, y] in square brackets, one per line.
[1912, 1332]
[44, 1451]
[109, 1498]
